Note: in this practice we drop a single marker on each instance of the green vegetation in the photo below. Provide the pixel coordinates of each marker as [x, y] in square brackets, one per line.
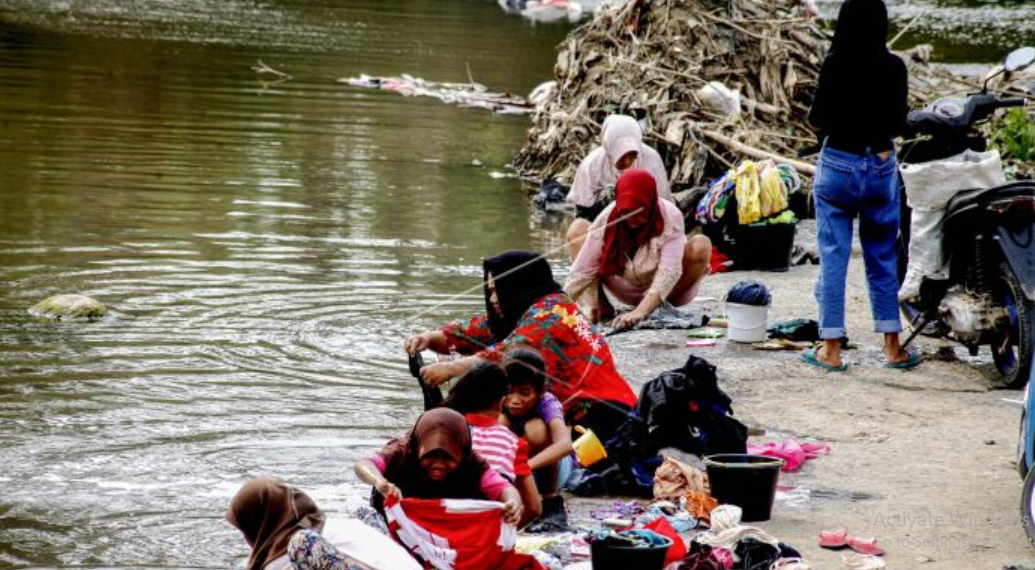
[1014, 135]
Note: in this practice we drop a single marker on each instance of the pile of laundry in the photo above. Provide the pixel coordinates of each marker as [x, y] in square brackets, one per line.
[471, 95]
[748, 214]
[723, 543]
[758, 192]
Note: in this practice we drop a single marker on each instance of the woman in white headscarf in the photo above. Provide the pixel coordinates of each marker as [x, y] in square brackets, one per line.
[621, 148]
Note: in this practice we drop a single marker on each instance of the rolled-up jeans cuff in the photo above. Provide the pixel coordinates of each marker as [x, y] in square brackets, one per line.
[833, 333]
[890, 326]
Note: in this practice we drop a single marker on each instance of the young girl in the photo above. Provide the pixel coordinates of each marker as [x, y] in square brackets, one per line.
[860, 107]
[537, 415]
[436, 461]
[479, 395]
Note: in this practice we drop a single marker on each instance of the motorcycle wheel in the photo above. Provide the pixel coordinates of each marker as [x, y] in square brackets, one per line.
[1028, 506]
[1013, 346]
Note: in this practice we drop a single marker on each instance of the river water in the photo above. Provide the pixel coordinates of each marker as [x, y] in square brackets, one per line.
[267, 245]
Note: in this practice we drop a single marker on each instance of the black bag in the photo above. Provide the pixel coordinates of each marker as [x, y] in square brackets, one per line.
[685, 408]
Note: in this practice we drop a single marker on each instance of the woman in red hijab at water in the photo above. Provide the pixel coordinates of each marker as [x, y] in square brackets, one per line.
[637, 250]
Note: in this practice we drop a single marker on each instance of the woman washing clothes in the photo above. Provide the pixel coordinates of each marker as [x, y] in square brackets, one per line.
[637, 251]
[621, 148]
[285, 530]
[526, 307]
[857, 176]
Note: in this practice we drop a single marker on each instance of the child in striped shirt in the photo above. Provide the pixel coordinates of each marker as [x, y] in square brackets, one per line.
[479, 395]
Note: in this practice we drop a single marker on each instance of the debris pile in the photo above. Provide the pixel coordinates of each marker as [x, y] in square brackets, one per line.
[471, 95]
[711, 81]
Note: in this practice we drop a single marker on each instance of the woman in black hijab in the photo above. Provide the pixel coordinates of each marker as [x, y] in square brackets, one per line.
[525, 306]
[860, 107]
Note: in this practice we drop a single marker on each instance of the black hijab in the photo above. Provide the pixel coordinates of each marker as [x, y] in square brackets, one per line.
[521, 279]
[862, 96]
[862, 31]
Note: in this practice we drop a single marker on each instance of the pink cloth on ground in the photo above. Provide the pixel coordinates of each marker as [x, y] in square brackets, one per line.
[793, 453]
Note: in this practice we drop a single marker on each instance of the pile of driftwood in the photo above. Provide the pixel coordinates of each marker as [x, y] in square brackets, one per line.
[660, 61]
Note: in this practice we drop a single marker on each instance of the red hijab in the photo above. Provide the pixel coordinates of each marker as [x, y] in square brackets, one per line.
[636, 189]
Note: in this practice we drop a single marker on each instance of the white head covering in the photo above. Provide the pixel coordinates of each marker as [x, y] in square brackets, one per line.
[620, 135]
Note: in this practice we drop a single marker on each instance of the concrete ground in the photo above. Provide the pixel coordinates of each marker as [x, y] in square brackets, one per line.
[922, 459]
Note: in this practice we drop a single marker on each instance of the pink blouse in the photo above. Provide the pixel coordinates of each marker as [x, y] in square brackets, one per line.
[656, 267]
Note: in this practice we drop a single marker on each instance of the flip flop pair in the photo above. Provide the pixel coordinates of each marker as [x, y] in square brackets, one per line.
[840, 539]
[809, 357]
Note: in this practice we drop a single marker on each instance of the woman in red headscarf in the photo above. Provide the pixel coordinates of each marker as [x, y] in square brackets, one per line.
[638, 251]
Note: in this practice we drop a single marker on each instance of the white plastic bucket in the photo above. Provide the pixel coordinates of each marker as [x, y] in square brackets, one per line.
[746, 323]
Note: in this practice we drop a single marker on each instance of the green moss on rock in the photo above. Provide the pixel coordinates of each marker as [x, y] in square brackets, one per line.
[69, 308]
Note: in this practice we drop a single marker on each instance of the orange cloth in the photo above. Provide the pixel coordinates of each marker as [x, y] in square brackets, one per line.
[700, 505]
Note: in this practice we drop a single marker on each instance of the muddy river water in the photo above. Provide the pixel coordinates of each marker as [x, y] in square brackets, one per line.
[267, 245]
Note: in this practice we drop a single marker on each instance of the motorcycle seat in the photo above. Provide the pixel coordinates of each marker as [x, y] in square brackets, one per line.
[970, 200]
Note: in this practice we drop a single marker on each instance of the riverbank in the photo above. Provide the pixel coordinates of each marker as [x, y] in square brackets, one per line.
[921, 459]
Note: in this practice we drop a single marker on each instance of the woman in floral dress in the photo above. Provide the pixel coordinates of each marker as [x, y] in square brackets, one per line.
[526, 307]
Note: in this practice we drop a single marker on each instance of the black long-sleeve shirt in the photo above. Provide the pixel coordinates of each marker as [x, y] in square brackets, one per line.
[860, 106]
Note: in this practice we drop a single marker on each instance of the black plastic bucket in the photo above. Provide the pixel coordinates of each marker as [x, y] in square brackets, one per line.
[612, 557]
[747, 481]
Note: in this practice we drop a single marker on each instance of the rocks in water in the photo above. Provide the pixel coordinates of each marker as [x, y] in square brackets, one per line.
[69, 308]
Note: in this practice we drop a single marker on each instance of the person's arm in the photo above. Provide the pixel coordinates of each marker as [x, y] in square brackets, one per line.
[432, 340]
[512, 506]
[902, 92]
[368, 473]
[583, 279]
[660, 173]
[584, 186]
[560, 446]
[471, 337]
[530, 499]
[439, 373]
[819, 114]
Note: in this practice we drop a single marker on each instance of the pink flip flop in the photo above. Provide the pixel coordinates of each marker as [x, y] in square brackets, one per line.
[865, 546]
[833, 539]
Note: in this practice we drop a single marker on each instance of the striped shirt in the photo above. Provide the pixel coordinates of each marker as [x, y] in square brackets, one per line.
[504, 451]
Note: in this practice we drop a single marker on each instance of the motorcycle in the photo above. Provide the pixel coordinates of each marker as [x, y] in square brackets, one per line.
[986, 293]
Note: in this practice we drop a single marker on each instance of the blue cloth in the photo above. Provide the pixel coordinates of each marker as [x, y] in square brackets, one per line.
[849, 186]
[564, 468]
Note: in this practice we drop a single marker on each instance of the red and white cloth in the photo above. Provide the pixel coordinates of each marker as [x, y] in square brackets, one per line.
[457, 534]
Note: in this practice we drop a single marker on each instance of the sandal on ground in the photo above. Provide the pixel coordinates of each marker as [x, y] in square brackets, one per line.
[907, 364]
[833, 539]
[865, 546]
[809, 357]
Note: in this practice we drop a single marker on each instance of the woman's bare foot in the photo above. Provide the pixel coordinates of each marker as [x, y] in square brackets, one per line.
[893, 351]
[830, 353]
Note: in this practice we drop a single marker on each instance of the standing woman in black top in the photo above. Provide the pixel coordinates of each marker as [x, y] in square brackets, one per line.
[860, 107]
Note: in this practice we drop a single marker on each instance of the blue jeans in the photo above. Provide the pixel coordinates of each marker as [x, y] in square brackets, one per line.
[846, 186]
